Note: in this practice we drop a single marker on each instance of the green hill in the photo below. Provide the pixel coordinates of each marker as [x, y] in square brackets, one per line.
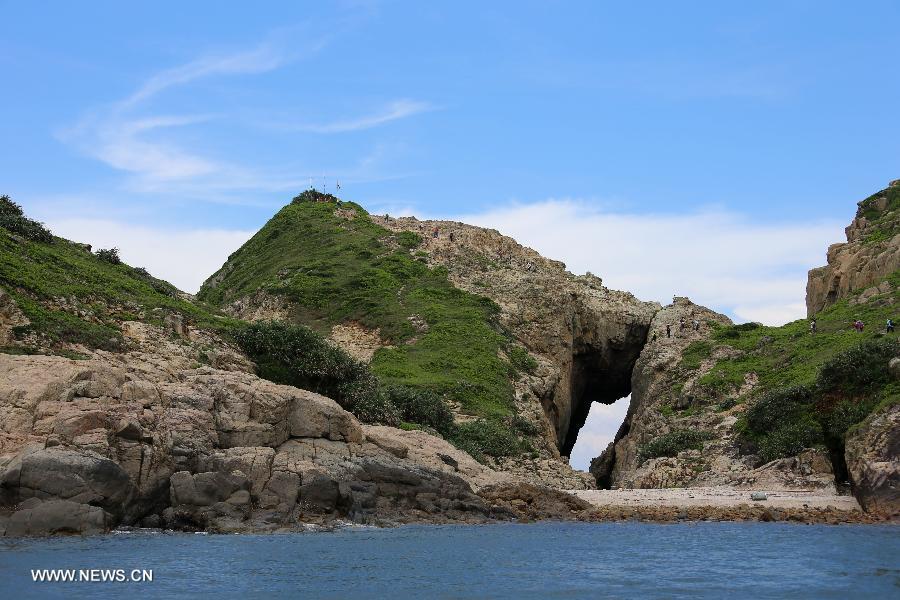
[72, 296]
[334, 265]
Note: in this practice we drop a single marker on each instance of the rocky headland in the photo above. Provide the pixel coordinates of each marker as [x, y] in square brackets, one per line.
[124, 402]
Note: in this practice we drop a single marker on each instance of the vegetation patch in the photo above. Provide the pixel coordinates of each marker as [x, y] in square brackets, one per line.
[488, 437]
[672, 443]
[335, 270]
[851, 385]
[71, 296]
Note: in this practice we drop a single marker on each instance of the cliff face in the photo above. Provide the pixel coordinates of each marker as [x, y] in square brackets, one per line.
[871, 253]
[585, 337]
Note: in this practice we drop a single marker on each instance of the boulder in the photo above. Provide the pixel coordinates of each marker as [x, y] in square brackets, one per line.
[873, 462]
[54, 517]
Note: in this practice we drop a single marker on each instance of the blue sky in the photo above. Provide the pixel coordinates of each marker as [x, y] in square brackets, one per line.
[634, 127]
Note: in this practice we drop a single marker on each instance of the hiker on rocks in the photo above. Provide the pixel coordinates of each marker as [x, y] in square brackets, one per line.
[858, 326]
[890, 326]
[696, 324]
[434, 233]
[451, 237]
[668, 330]
[813, 327]
[681, 324]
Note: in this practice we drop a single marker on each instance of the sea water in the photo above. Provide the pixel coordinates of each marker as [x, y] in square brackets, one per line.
[542, 560]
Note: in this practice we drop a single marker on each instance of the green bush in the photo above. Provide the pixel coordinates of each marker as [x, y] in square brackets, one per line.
[13, 220]
[409, 239]
[487, 437]
[421, 406]
[790, 438]
[312, 195]
[672, 443]
[377, 408]
[524, 426]
[296, 355]
[777, 407]
[109, 255]
[522, 361]
[860, 369]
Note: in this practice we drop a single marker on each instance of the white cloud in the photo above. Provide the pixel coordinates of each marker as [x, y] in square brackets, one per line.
[399, 109]
[599, 430]
[750, 270]
[264, 57]
[183, 258]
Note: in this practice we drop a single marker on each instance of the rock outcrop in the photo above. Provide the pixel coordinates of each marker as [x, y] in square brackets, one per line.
[585, 337]
[871, 253]
[150, 438]
[873, 462]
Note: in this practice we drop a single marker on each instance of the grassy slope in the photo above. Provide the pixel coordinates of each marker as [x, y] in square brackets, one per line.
[97, 294]
[790, 354]
[334, 269]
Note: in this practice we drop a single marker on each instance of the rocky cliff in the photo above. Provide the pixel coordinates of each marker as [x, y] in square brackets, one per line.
[871, 253]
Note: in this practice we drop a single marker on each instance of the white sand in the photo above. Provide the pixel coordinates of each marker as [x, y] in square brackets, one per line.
[716, 497]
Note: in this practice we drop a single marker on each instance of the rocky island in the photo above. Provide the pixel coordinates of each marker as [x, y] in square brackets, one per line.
[348, 367]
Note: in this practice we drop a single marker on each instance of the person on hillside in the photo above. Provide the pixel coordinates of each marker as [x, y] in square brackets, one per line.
[890, 326]
[668, 330]
[696, 324]
[813, 326]
[435, 233]
[451, 237]
[858, 326]
[681, 324]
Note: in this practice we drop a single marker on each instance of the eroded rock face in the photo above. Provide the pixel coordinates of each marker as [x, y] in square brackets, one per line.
[872, 252]
[90, 444]
[873, 462]
[585, 337]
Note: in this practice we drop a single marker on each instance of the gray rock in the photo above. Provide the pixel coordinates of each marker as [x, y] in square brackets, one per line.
[758, 496]
[58, 516]
[894, 368]
[57, 473]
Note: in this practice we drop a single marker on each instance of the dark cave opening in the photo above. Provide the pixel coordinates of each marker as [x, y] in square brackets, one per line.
[595, 379]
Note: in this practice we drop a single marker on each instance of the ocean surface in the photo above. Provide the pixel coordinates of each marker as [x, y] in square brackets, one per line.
[543, 560]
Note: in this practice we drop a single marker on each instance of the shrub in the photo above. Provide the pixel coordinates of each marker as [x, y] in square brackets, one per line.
[421, 406]
[486, 437]
[672, 443]
[377, 408]
[296, 355]
[13, 220]
[409, 239]
[522, 361]
[109, 255]
[524, 426]
[777, 407]
[790, 438]
[859, 369]
[312, 195]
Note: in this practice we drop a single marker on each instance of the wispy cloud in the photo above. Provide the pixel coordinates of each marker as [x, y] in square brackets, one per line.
[128, 136]
[753, 271]
[398, 109]
[264, 57]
